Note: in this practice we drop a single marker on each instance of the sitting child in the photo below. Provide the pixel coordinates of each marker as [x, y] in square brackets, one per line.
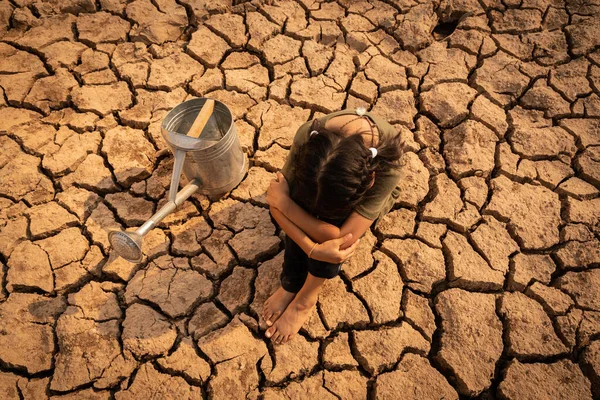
[342, 171]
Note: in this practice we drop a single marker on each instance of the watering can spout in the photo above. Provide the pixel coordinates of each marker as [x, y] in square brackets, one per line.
[129, 244]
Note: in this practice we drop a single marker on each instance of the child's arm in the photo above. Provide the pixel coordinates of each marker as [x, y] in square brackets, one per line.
[334, 251]
[290, 229]
[278, 198]
[319, 231]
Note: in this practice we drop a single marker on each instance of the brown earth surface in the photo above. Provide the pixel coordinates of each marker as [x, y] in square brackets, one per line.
[484, 281]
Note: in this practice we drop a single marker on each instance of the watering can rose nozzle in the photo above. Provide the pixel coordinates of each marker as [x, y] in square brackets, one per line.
[127, 245]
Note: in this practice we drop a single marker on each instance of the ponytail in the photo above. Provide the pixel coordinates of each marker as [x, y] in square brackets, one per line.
[388, 154]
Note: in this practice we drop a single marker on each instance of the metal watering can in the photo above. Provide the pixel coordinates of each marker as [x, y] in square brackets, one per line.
[203, 138]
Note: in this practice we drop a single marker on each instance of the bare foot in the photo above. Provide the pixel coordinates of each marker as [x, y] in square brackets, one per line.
[291, 321]
[276, 305]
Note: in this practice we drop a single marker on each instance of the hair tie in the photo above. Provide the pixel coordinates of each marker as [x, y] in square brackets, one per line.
[373, 152]
[313, 133]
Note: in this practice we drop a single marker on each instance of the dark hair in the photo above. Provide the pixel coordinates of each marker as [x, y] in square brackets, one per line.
[332, 173]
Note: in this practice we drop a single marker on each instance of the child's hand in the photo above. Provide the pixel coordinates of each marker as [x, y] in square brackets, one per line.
[278, 193]
[330, 252]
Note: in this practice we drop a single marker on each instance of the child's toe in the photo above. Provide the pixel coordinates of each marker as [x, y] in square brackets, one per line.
[275, 337]
[269, 332]
[267, 317]
[279, 338]
[273, 317]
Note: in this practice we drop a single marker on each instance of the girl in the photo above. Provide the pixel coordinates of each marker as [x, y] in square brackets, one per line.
[342, 172]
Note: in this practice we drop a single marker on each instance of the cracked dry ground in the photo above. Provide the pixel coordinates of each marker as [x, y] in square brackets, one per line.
[483, 282]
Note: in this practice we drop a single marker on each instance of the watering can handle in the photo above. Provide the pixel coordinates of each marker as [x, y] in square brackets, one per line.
[195, 131]
[177, 169]
[202, 118]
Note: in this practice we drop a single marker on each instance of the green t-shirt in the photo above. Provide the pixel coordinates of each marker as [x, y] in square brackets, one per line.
[380, 198]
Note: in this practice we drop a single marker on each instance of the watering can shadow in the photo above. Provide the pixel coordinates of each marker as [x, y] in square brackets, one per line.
[214, 163]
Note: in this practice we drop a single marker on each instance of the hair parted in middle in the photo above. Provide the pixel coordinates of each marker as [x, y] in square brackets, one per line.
[332, 172]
